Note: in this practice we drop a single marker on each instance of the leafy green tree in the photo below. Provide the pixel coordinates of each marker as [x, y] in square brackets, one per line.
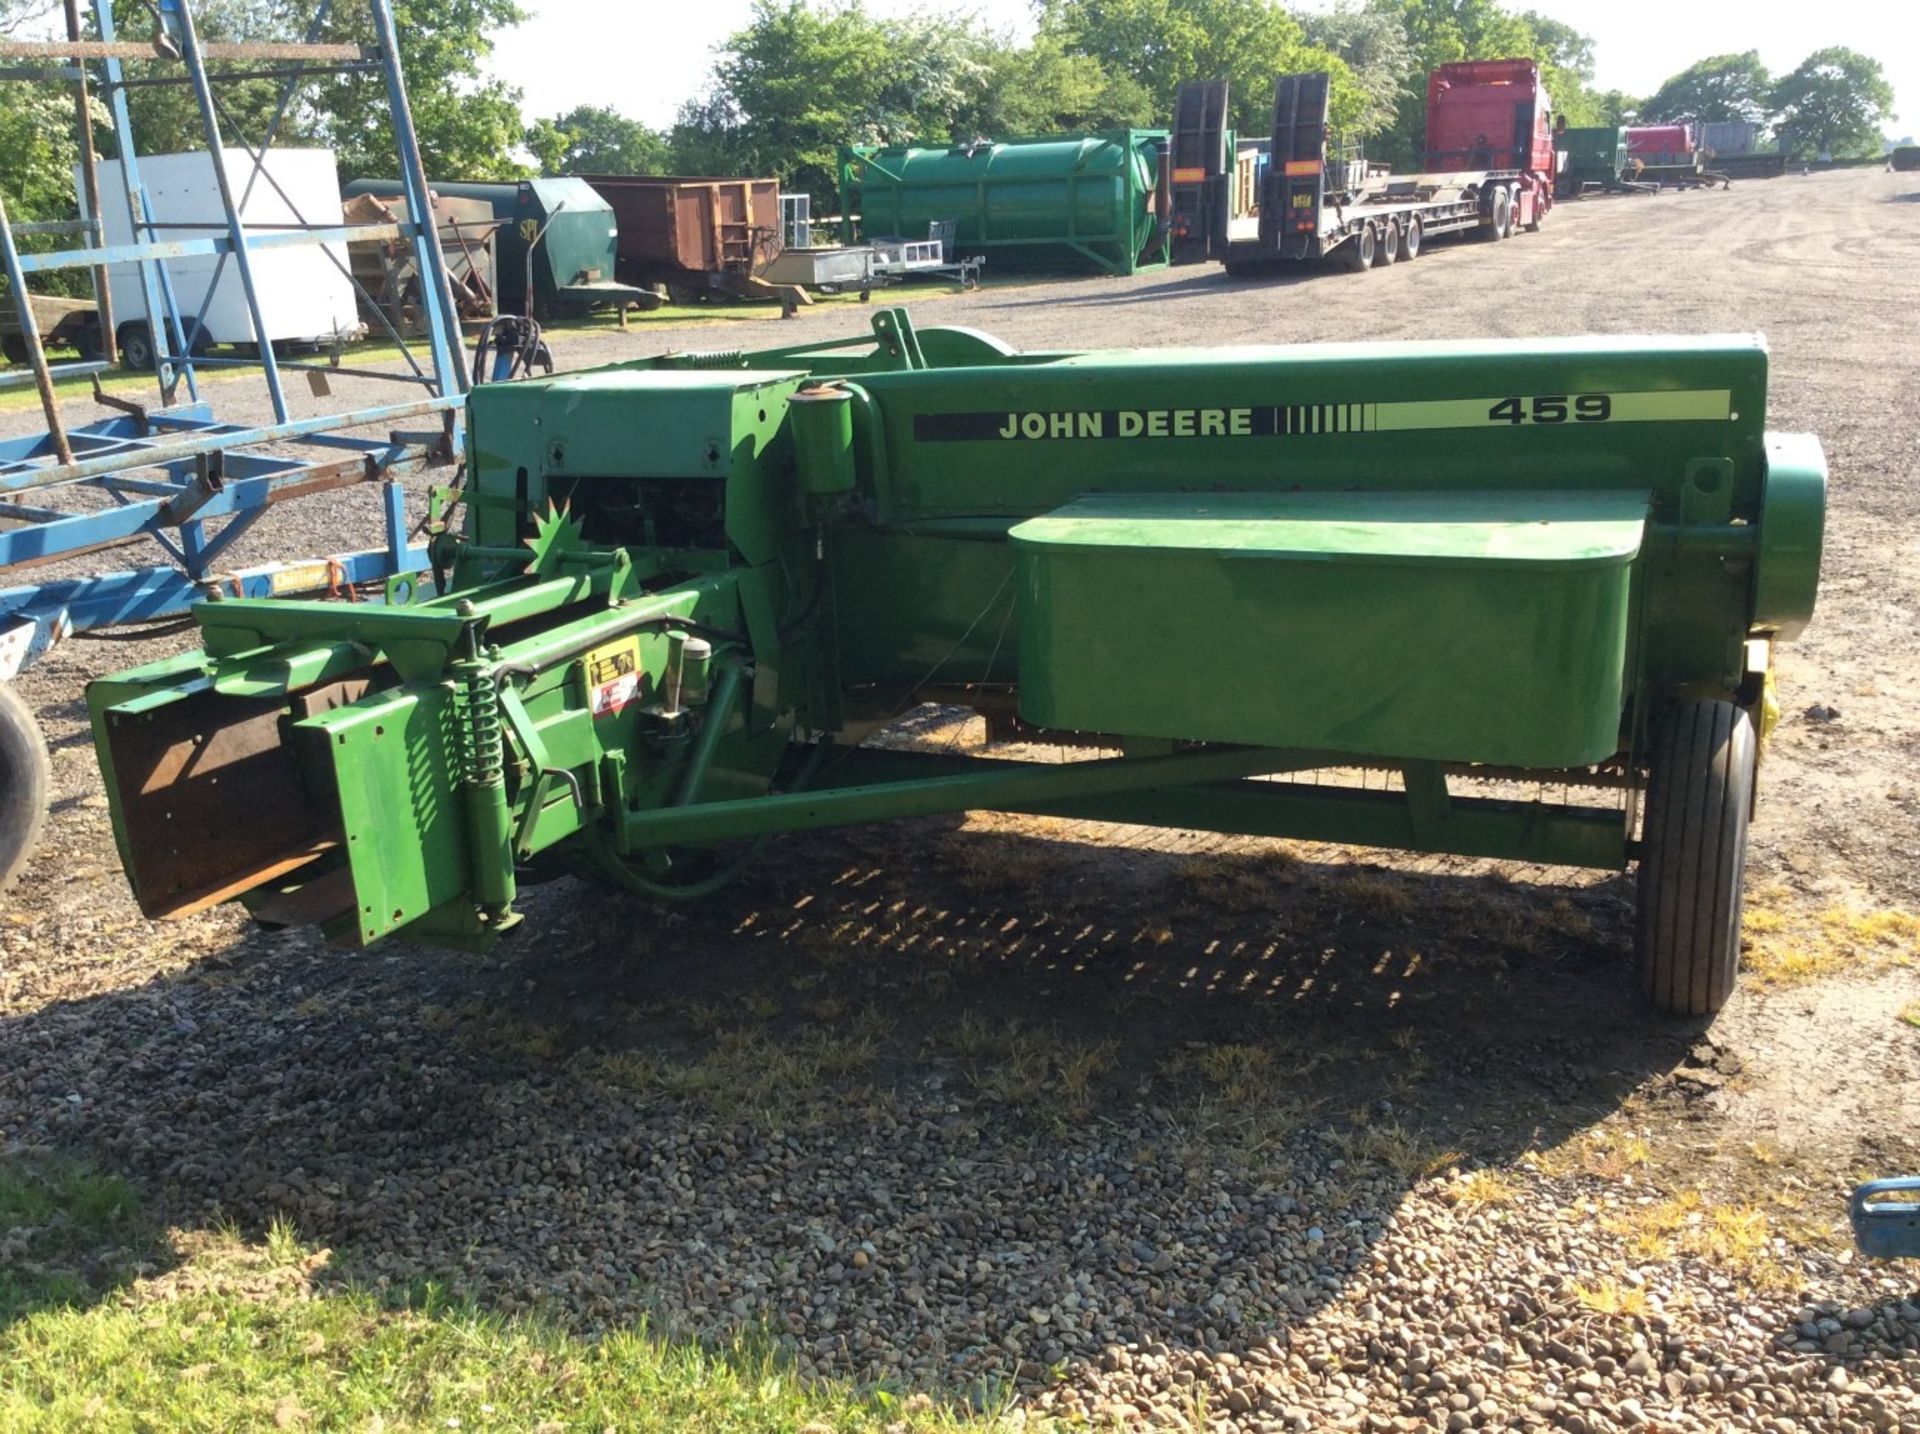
[468, 122]
[1043, 89]
[1374, 45]
[801, 80]
[1162, 44]
[1834, 103]
[592, 139]
[1618, 107]
[1720, 87]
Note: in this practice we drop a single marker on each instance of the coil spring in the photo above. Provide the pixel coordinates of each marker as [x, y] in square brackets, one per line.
[707, 358]
[477, 706]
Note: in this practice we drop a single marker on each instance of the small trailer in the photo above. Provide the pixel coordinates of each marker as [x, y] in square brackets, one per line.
[1298, 197]
[74, 322]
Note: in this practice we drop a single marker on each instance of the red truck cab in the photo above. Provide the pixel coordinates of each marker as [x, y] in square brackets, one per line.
[1493, 115]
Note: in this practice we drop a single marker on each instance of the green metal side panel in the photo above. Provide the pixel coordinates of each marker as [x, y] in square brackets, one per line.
[395, 767]
[1471, 627]
[1061, 199]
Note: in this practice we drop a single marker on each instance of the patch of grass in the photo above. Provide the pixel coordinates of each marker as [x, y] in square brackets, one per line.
[1482, 1189]
[774, 1075]
[1406, 1153]
[1051, 1078]
[1909, 1014]
[1377, 895]
[213, 1346]
[1229, 884]
[1612, 1299]
[67, 1231]
[1785, 945]
[995, 866]
[1736, 1236]
[1604, 1152]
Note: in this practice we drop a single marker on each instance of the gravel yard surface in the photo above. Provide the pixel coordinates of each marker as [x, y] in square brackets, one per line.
[1107, 1126]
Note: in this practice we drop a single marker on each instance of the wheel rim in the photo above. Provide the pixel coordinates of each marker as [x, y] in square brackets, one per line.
[1410, 241]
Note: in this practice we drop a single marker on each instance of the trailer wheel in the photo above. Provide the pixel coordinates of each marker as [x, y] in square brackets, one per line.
[1410, 240]
[1357, 253]
[136, 347]
[1693, 849]
[1389, 243]
[25, 775]
[14, 346]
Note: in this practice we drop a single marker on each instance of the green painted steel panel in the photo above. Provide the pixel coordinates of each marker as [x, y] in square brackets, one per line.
[1065, 199]
[1470, 627]
[1596, 154]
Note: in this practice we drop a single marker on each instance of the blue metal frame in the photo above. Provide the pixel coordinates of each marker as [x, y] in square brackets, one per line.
[174, 474]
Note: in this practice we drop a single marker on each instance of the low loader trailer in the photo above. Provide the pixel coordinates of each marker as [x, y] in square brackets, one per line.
[680, 594]
[1302, 198]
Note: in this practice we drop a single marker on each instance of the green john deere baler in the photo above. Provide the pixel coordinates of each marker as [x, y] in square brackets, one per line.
[686, 590]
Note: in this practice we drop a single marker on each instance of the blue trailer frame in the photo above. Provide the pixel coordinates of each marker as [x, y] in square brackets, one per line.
[173, 473]
[170, 473]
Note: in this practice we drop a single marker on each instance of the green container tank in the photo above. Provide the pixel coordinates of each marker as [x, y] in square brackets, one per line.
[573, 260]
[1069, 200]
[1596, 154]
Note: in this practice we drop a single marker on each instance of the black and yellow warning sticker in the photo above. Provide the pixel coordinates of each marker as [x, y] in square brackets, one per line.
[1305, 419]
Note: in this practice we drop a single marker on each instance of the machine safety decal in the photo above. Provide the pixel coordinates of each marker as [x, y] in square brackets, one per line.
[1294, 420]
[613, 676]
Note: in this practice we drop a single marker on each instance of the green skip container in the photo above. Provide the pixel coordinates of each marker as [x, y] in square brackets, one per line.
[1073, 200]
[1463, 627]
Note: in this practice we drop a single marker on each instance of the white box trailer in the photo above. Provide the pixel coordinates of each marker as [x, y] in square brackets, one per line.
[306, 299]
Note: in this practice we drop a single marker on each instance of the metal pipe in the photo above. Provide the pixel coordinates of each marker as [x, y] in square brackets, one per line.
[726, 692]
[90, 186]
[236, 228]
[429, 257]
[68, 470]
[222, 50]
[30, 336]
[155, 289]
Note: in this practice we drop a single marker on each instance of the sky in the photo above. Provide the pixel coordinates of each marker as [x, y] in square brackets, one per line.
[645, 56]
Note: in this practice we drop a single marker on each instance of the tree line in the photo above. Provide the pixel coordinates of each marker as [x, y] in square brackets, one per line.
[804, 77]
[801, 79]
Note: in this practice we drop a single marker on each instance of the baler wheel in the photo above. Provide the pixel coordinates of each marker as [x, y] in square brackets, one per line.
[1358, 252]
[1694, 846]
[1389, 243]
[1410, 241]
[25, 774]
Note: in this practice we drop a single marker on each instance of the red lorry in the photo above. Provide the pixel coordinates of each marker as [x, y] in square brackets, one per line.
[1494, 115]
[1489, 169]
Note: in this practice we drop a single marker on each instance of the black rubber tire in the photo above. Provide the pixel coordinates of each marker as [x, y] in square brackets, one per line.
[1539, 213]
[1411, 240]
[87, 342]
[1358, 252]
[25, 775]
[1389, 243]
[14, 346]
[136, 348]
[1502, 213]
[1693, 851]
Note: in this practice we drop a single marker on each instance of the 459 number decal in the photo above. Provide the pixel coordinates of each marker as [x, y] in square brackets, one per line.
[1553, 408]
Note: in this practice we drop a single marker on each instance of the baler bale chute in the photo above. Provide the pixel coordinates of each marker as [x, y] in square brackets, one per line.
[687, 589]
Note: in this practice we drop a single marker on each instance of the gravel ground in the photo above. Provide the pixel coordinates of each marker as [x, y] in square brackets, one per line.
[1123, 1127]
